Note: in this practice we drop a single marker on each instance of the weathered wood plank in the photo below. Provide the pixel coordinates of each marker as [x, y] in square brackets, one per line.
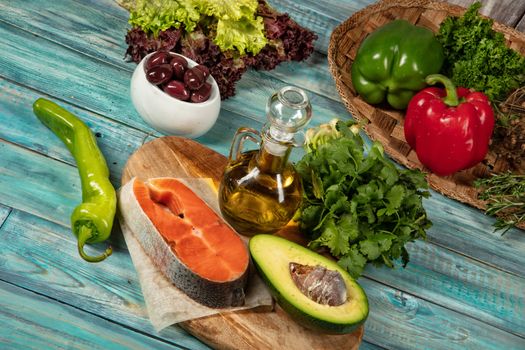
[110, 7]
[20, 167]
[89, 29]
[217, 141]
[336, 9]
[35, 184]
[82, 80]
[37, 197]
[507, 12]
[67, 75]
[460, 284]
[22, 184]
[111, 290]
[4, 213]
[401, 321]
[312, 74]
[319, 16]
[467, 231]
[31, 321]
[116, 141]
[521, 24]
[219, 134]
[98, 35]
[256, 87]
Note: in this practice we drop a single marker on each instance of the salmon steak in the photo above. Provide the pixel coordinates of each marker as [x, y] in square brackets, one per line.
[192, 245]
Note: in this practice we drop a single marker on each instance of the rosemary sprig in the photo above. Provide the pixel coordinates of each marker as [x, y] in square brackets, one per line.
[505, 196]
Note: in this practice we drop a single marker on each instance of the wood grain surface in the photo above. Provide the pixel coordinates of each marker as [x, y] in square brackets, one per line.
[27, 311]
[250, 329]
[463, 287]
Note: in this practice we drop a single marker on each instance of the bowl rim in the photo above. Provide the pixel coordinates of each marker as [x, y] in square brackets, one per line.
[191, 64]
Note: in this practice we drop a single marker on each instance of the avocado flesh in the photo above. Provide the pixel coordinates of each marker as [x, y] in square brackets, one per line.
[272, 255]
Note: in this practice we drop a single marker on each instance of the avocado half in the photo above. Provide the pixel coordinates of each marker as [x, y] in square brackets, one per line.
[272, 256]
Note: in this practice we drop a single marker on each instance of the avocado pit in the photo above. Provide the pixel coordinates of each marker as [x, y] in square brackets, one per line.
[319, 284]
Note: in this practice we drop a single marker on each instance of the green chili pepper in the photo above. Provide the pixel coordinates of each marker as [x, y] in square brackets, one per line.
[92, 220]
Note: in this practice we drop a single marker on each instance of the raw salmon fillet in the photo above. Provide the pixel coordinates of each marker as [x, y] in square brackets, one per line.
[187, 240]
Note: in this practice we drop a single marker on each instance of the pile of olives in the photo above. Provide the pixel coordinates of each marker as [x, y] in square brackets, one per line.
[171, 73]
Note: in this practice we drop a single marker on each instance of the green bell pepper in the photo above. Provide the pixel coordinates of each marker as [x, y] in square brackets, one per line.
[393, 61]
[92, 220]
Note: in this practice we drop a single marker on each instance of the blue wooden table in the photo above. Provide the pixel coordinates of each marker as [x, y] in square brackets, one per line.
[464, 287]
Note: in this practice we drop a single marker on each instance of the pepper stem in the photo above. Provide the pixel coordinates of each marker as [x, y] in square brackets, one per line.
[84, 234]
[452, 96]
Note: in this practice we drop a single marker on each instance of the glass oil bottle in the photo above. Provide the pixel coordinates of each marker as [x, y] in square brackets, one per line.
[260, 190]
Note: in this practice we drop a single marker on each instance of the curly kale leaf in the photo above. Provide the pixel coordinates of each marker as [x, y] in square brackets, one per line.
[477, 57]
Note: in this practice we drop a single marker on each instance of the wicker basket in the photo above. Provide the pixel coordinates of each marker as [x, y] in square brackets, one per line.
[385, 124]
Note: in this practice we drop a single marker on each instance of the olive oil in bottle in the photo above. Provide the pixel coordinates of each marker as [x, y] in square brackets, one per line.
[260, 190]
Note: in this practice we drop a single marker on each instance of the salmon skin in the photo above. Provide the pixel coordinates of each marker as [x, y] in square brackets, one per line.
[196, 250]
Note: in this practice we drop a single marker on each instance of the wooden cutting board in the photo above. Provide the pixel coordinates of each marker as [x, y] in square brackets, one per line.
[250, 329]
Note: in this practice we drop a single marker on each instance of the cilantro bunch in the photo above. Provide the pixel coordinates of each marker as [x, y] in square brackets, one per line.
[357, 204]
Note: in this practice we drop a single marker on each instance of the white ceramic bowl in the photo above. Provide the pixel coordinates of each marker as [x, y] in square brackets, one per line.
[168, 114]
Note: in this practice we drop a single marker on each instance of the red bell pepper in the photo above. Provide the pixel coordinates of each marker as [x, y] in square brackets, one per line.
[450, 129]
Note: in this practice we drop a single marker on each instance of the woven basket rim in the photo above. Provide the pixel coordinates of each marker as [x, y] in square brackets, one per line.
[359, 19]
[387, 4]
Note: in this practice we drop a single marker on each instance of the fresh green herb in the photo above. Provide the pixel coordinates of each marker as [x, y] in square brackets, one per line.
[476, 56]
[235, 24]
[359, 206]
[505, 196]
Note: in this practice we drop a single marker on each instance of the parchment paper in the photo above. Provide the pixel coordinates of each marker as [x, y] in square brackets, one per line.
[167, 305]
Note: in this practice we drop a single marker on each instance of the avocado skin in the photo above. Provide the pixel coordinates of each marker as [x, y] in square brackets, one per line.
[270, 252]
[303, 318]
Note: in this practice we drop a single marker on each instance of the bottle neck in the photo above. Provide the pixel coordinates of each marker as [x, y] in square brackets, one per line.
[273, 156]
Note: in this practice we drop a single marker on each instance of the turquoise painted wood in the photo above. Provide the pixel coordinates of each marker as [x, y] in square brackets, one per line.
[67, 175]
[462, 289]
[461, 228]
[21, 126]
[21, 228]
[464, 285]
[32, 321]
[400, 321]
[106, 44]
[4, 213]
[29, 259]
[110, 97]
